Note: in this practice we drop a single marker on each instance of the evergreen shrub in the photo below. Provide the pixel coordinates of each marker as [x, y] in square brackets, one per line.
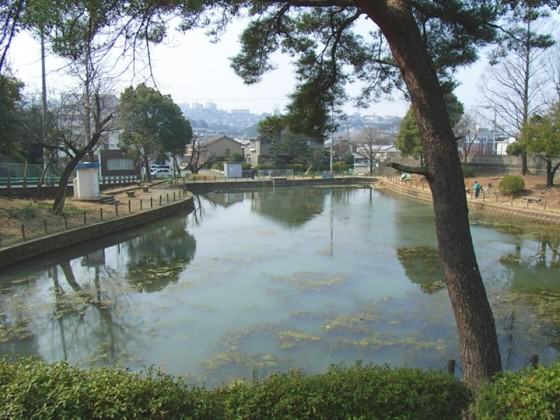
[468, 171]
[512, 184]
[34, 389]
[532, 393]
[361, 391]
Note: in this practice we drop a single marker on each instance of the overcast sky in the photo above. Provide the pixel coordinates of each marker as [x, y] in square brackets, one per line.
[192, 69]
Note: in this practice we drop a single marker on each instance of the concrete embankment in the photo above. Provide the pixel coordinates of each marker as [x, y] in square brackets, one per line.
[422, 192]
[58, 241]
[202, 186]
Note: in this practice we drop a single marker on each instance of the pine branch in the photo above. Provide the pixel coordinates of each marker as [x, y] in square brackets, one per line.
[410, 169]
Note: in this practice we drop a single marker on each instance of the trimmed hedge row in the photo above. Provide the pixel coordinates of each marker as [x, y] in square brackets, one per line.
[358, 392]
[33, 389]
[527, 394]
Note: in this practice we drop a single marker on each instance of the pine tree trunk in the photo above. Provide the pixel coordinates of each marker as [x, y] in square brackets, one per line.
[549, 173]
[475, 323]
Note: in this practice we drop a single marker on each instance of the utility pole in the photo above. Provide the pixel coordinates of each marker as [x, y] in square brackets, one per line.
[494, 131]
[332, 141]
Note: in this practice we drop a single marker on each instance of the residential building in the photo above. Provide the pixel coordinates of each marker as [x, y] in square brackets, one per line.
[216, 148]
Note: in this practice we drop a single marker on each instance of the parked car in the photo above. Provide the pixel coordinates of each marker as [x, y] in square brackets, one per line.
[160, 173]
[155, 166]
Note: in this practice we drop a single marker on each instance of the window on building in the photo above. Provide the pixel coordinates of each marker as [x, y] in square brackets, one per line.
[120, 164]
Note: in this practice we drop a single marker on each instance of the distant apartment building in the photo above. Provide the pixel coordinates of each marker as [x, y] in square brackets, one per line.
[72, 117]
[486, 142]
[258, 151]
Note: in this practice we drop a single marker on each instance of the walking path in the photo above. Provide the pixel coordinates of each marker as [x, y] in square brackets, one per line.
[493, 203]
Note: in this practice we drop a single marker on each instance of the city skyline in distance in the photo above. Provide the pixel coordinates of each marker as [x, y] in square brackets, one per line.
[192, 69]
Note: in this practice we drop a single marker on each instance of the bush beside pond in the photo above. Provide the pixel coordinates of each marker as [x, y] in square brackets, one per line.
[361, 391]
[512, 184]
[33, 389]
[527, 394]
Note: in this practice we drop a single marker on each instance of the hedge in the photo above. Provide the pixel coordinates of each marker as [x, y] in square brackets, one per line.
[512, 184]
[532, 393]
[37, 390]
[34, 389]
[357, 392]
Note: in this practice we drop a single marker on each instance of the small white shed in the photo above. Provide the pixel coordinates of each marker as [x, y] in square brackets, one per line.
[86, 183]
[233, 170]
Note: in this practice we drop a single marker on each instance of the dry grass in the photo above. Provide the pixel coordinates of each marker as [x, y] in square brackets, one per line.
[38, 219]
[535, 186]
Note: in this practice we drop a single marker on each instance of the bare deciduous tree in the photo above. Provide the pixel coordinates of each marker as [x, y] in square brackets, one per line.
[514, 84]
[194, 163]
[369, 144]
[70, 139]
[466, 133]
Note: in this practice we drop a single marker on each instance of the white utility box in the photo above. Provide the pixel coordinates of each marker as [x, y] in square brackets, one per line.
[86, 183]
[233, 170]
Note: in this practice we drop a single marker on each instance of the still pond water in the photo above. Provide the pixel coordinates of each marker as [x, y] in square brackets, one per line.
[269, 280]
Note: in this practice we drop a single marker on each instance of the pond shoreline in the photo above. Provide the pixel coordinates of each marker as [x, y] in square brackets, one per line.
[420, 191]
[55, 242]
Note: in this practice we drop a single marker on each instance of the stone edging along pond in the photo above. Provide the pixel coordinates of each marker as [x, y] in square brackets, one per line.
[57, 241]
[539, 216]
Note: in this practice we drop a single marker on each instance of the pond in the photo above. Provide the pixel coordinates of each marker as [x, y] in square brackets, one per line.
[274, 279]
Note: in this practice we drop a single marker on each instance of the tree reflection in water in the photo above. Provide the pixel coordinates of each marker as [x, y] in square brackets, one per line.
[90, 314]
[291, 207]
[157, 258]
[422, 266]
[417, 251]
[534, 285]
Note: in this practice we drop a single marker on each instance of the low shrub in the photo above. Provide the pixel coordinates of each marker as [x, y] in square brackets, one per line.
[34, 389]
[298, 168]
[527, 394]
[266, 165]
[512, 184]
[340, 166]
[361, 391]
[219, 166]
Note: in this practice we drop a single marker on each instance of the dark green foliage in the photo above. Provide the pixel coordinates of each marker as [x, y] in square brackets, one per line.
[34, 389]
[151, 124]
[409, 141]
[362, 391]
[468, 171]
[512, 184]
[235, 157]
[517, 148]
[340, 167]
[10, 112]
[528, 394]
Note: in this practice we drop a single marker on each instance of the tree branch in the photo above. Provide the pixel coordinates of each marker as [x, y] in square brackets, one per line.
[410, 169]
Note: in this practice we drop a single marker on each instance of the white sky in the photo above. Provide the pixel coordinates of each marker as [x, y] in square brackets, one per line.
[192, 69]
